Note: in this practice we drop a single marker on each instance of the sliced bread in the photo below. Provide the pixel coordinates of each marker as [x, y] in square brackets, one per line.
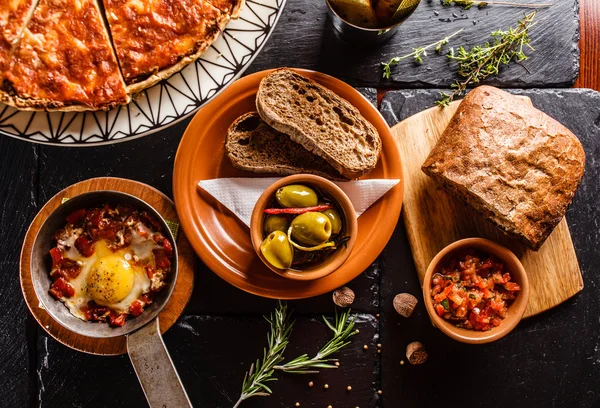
[513, 163]
[321, 121]
[253, 145]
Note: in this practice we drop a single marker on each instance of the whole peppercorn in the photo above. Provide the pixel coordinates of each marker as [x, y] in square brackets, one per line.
[405, 303]
[343, 297]
[415, 353]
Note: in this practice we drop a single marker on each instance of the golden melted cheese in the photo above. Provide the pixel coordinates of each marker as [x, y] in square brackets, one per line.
[151, 35]
[65, 56]
[14, 14]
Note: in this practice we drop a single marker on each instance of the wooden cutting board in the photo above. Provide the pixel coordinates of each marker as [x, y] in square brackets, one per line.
[434, 219]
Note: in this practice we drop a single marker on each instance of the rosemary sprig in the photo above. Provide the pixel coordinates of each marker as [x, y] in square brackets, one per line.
[262, 371]
[481, 61]
[417, 54]
[467, 4]
[343, 329]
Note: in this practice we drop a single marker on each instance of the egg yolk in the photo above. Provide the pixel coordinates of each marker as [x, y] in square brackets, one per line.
[110, 280]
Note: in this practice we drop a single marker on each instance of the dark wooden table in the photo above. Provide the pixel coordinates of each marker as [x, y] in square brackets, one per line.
[549, 360]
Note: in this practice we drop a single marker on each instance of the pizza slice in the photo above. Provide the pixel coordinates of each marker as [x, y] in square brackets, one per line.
[65, 61]
[154, 39]
[14, 16]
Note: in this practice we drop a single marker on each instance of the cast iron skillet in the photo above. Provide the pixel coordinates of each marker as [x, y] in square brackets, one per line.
[146, 349]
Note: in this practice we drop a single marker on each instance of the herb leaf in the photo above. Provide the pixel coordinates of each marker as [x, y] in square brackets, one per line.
[417, 54]
[262, 371]
[343, 329]
[467, 4]
[481, 61]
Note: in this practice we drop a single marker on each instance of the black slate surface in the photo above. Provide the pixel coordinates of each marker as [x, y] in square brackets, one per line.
[549, 360]
[303, 38]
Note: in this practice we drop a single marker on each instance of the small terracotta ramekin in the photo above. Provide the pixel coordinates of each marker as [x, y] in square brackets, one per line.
[515, 310]
[338, 257]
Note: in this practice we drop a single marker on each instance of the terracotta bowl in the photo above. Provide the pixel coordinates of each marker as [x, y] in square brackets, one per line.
[333, 191]
[515, 310]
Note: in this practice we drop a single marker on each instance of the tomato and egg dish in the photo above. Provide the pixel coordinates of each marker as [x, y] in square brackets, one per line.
[109, 262]
[473, 290]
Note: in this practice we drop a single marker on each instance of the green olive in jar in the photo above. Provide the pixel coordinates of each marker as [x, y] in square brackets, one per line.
[277, 250]
[296, 195]
[311, 228]
[275, 222]
[336, 220]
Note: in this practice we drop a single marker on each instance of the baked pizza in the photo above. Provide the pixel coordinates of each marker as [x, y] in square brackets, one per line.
[65, 60]
[14, 15]
[74, 55]
[156, 38]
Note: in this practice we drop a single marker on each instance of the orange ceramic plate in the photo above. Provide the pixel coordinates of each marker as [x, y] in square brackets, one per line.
[223, 242]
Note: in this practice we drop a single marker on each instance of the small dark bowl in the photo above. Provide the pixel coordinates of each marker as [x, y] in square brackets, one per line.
[41, 263]
[366, 36]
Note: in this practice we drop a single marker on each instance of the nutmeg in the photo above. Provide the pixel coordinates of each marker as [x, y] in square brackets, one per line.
[343, 297]
[405, 303]
[416, 353]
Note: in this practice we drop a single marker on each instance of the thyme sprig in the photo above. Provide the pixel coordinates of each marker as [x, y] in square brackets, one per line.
[261, 372]
[418, 54]
[467, 4]
[343, 329]
[481, 61]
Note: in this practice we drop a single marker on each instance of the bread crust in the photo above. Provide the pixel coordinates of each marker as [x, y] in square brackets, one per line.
[337, 156]
[513, 163]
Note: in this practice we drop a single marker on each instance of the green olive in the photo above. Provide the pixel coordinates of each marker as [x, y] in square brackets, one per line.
[311, 228]
[276, 223]
[277, 250]
[336, 220]
[296, 195]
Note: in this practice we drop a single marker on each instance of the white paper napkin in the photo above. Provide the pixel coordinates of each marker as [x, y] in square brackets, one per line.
[240, 195]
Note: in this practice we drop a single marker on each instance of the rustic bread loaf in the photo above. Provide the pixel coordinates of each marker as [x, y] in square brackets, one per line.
[511, 162]
[319, 120]
[253, 145]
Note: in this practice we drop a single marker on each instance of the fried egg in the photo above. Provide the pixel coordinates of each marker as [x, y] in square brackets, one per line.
[111, 278]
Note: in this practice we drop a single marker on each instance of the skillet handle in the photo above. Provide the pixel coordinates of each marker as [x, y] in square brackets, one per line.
[155, 369]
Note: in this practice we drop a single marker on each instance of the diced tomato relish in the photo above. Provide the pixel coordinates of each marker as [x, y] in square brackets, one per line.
[473, 290]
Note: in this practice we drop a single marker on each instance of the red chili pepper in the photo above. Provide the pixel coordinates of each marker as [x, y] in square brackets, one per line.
[298, 210]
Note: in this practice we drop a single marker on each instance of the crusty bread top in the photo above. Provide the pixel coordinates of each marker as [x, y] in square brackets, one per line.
[511, 161]
[321, 121]
[253, 145]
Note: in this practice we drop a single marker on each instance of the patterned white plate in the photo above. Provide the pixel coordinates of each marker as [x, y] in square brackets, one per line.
[165, 103]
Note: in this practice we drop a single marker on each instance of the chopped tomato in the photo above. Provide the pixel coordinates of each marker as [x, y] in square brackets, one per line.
[473, 289]
[117, 319]
[57, 257]
[75, 216]
[150, 271]
[136, 308]
[61, 288]
[160, 259]
[85, 246]
[168, 248]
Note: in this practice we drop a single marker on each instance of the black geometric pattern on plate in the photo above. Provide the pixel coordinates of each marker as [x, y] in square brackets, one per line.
[165, 103]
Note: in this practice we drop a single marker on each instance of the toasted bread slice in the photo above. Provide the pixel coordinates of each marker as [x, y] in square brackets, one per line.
[357, 12]
[321, 121]
[255, 146]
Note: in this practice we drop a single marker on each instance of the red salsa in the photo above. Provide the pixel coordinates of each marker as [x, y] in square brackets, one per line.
[473, 290]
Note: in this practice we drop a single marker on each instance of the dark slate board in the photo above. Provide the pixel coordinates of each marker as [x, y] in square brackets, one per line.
[304, 38]
[18, 189]
[550, 360]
